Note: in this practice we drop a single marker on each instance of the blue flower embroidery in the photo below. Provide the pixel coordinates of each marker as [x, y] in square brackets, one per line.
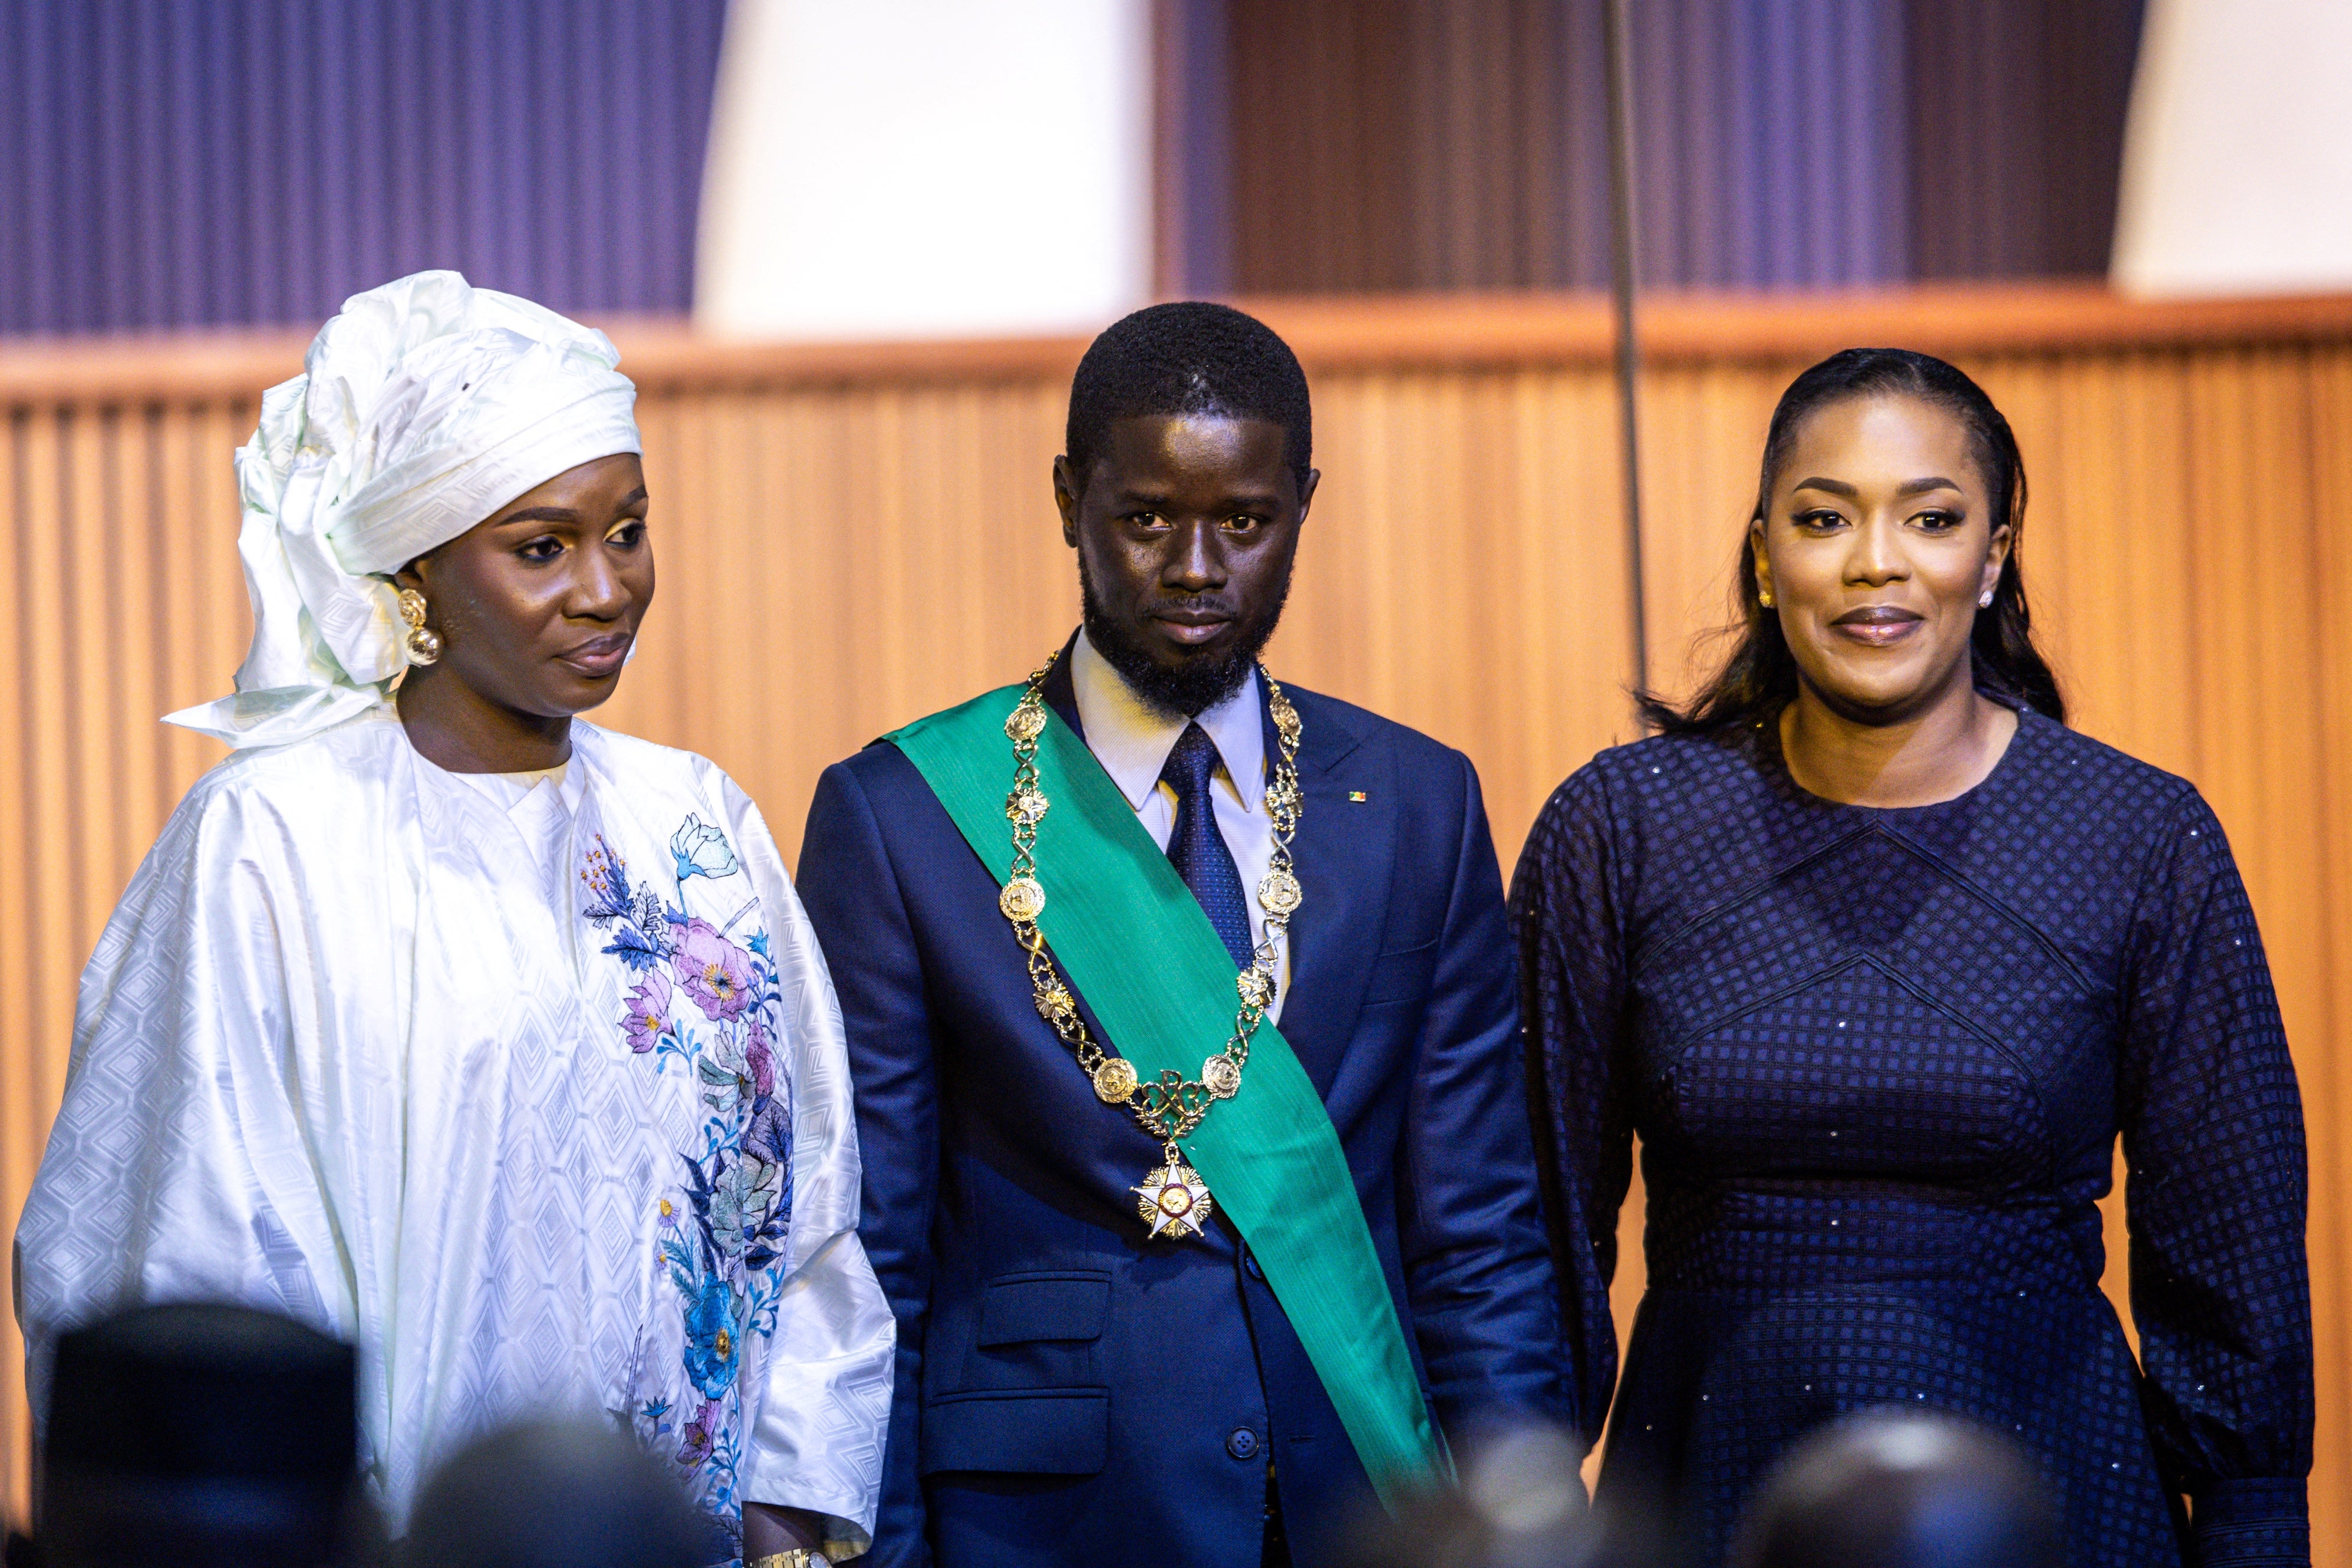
[638, 923]
[701, 850]
[712, 1351]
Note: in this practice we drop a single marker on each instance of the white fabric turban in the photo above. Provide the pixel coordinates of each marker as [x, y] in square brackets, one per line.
[424, 407]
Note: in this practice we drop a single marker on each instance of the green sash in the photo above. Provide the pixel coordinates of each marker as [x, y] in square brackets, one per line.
[1135, 942]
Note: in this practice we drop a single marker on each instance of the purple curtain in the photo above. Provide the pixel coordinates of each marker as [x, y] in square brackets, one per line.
[198, 163]
[1343, 145]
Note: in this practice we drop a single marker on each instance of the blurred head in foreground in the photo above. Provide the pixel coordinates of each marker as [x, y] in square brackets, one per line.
[557, 1494]
[1521, 1504]
[1889, 1489]
[200, 1433]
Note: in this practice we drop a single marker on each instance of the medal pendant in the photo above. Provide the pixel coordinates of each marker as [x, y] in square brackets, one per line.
[1285, 717]
[1220, 1076]
[1114, 1080]
[1057, 1005]
[1173, 1200]
[1254, 988]
[1280, 894]
[1022, 900]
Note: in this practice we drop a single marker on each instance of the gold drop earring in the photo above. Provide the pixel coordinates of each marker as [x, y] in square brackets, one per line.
[1764, 596]
[424, 646]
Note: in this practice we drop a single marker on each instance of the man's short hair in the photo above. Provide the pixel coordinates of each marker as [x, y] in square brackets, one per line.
[1187, 357]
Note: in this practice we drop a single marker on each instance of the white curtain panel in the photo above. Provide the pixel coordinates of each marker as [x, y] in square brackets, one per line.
[2236, 172]
[927, 168]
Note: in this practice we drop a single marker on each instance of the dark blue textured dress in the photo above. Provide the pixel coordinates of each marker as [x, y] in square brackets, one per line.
[1878, 1060]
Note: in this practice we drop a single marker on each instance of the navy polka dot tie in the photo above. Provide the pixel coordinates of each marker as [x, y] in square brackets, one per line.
[1197, 850]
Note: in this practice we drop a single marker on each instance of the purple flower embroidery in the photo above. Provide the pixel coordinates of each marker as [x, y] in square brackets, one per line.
[761, 1058]
[699, 1434]
[648, 1012]
[715, 972]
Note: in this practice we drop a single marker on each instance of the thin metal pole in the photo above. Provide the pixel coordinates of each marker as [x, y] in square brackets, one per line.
[1617, 44]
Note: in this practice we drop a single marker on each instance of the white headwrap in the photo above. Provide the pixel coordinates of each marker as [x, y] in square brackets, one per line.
[424, 407]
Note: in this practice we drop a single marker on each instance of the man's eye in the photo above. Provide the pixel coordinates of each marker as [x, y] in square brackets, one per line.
[1148, 519]
[1243, 523]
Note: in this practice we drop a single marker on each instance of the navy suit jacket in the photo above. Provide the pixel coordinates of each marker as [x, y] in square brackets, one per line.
[1069, 1392]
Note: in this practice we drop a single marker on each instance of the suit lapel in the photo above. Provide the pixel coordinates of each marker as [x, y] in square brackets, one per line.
[1341, 851]
[1060, 692]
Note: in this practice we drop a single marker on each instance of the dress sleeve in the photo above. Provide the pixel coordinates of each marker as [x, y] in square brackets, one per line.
[2212, 1131]
[1564, 903]
[816, 1440]
[177, 1168]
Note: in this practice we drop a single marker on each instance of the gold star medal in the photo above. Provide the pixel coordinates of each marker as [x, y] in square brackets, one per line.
[1173, 1200]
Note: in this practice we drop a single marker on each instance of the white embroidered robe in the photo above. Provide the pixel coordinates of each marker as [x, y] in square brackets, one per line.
[540, 1100]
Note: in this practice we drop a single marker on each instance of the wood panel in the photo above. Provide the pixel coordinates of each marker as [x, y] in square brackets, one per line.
[853, 535]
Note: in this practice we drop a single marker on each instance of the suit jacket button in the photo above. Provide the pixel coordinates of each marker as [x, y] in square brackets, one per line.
[1241, 1443]
[1249, 1264]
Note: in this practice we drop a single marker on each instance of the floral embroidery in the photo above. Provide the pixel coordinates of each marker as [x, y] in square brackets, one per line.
[710, 1347]
[700, 1434]
[648, 1023]
[636, 921]
[721, 1232]
[715, 972]
[701, 850]
[761, 1058]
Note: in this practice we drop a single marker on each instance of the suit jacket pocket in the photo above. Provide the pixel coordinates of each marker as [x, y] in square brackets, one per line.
[1028, 1431]
[1043, 1304]
[1404, 975]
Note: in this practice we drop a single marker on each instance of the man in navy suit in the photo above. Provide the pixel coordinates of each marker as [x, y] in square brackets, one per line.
[1079, 1380]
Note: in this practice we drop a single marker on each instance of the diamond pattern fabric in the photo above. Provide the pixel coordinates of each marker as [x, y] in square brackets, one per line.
[1198, 849]
[1878, 1062]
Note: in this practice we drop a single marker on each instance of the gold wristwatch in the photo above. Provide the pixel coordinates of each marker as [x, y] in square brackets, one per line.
[798, 1557]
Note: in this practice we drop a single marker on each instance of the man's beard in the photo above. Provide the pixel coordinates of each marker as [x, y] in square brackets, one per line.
[1191, 688]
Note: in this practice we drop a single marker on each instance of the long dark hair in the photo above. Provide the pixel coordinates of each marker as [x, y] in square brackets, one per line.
[1759, 677]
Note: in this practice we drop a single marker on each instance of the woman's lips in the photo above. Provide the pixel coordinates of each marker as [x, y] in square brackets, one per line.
[598, 656]
[1877, 625]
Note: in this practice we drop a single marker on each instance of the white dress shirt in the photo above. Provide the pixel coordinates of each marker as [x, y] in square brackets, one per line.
[1132, 739]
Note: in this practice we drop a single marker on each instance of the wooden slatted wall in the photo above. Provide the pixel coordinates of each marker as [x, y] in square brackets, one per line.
[850, 537]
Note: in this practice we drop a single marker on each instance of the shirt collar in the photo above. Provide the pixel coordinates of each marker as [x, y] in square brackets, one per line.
[1132, 739]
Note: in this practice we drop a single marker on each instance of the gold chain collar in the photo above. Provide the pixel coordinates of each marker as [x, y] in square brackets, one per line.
[1172, 1200]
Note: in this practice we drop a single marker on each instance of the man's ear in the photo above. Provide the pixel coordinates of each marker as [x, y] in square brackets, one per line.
[1307, 492]
[1066, 490]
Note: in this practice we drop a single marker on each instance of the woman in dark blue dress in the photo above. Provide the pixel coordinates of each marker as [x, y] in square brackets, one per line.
[1878, 957]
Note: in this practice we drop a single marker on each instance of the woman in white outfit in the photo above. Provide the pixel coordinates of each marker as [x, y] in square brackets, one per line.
[490, 1041]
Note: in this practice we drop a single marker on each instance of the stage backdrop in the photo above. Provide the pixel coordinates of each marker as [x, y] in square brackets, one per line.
[852, 537]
